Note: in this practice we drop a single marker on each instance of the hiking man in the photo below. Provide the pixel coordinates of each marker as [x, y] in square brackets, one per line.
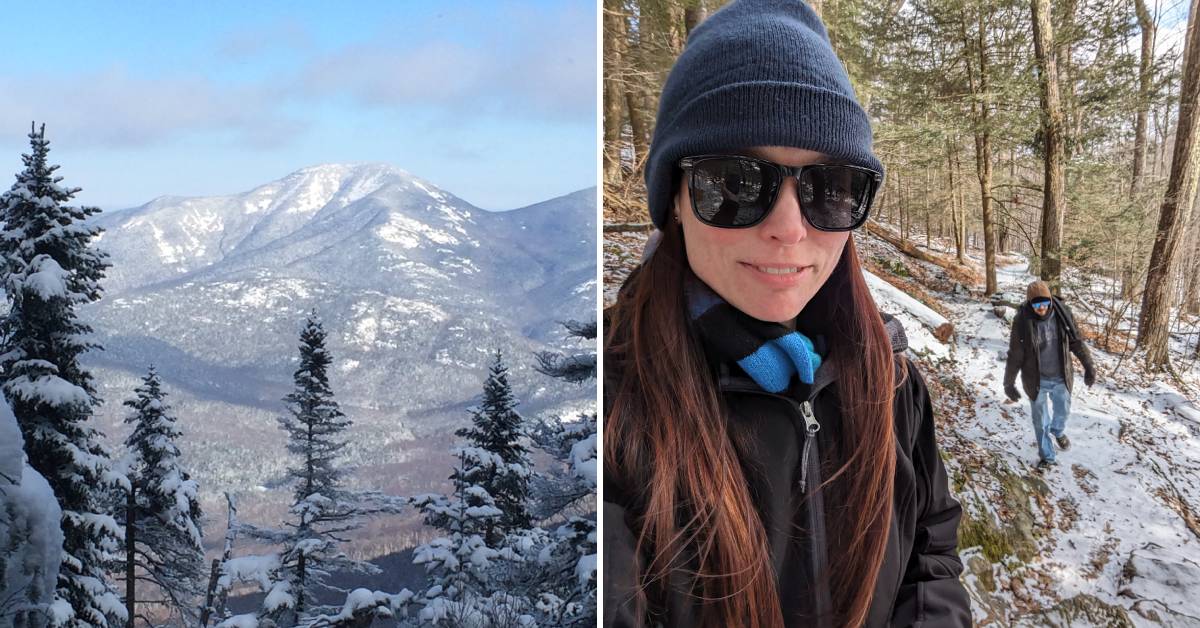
[1043, 338]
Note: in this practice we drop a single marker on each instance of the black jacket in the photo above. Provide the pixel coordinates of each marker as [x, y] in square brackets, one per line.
[1023, 350]
[918, 582]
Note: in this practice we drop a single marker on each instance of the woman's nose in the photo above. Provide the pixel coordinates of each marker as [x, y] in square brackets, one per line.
[785, 224]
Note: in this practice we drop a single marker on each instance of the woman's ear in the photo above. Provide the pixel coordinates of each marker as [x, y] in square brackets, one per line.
[680, 200]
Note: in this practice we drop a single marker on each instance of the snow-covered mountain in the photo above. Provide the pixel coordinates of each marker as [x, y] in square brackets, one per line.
[416, 287]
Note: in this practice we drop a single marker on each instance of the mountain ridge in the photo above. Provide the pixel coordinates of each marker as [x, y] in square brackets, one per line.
[416, 286]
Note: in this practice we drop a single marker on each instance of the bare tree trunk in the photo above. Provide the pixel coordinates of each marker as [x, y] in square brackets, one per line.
[1191, 296]
[693, 15]
[928, 187]
[1053, 188]
[1060, 51]
[614, 88]
[214, 575]
[1016, 195]
[1145, 84]
[216, 607]
[954, 221]
[637, 102]
[1154, 319]
[960, 195]
[983, 148]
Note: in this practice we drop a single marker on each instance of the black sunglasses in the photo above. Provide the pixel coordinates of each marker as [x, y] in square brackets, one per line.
[735, 192]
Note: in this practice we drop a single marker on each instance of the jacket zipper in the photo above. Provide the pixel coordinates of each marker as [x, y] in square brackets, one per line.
[816, 511]
[803, 408]
[812, 427]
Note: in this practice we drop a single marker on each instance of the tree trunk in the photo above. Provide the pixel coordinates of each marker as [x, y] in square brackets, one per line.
[692, 16]
[300, 584]
[1145, 84]
[614, 88]
[960, 209]
[130, 555]
[928, 209]
[206, 612]
[639, 126]
[636, 100]
[983, 163]
[1154, 319]
[1053, 188]
[1060, 51]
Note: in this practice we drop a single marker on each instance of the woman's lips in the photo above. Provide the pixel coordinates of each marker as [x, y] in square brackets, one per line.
[780, 275]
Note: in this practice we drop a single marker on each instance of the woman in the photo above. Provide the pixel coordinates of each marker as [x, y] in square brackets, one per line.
[770, 457]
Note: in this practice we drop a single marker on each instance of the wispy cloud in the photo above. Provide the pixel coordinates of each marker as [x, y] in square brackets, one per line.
[541, 65]
[115, 109]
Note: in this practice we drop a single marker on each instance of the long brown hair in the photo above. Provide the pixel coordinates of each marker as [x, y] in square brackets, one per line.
[666, 443]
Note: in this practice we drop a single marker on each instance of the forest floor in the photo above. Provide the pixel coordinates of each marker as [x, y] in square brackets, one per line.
[1110, 536]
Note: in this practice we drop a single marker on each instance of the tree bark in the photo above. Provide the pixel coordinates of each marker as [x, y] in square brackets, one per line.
[210, 593]
[614, 88]
[1060, 49]
[928, 210]
[983, 145]
[637, 102]
[693, 15]
[958, 248]
[1054, 155]
[1155, 315]
[1145, 84]
[960, 236]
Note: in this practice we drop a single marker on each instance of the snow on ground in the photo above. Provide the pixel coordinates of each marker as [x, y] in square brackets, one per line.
[1110, 491]
[1111, 535]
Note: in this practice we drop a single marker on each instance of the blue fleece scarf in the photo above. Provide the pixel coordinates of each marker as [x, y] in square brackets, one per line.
[769, 353]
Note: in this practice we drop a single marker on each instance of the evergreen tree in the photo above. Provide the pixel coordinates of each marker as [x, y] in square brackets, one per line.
[497, 429]
[162, 510]
[564, 578]
[461, 563]
[322, 510]
[576, 368]
[48, 271]
[30, 534]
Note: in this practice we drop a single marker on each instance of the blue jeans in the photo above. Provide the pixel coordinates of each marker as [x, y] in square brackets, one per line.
[1055, 391]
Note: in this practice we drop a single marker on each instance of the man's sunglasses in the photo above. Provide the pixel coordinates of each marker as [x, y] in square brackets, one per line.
[736, 192]
[1040, 303]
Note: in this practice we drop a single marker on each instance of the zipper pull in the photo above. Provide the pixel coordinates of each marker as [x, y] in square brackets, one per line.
[812, 427]
[810, 421]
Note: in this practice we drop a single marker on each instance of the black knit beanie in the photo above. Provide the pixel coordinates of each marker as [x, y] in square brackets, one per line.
[755, 73]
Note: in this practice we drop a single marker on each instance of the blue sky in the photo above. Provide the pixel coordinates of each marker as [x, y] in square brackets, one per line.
[493, 102]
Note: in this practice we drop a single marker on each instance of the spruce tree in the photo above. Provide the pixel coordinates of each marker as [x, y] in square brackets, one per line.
[497, 429]
[30, 534]
[49, 270]
[576, 368]
[565, 576]
[461, 563]
[162, 510]
[322, 510]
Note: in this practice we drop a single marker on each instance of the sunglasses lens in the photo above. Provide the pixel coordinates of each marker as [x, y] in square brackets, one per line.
[835, 197]
[731, 192]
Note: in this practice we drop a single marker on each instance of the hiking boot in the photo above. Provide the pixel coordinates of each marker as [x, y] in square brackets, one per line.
[1044, 464]
[1064, 443]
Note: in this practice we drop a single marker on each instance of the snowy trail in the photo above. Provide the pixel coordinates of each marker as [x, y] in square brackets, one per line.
[1109, 537]
[1112, 493]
